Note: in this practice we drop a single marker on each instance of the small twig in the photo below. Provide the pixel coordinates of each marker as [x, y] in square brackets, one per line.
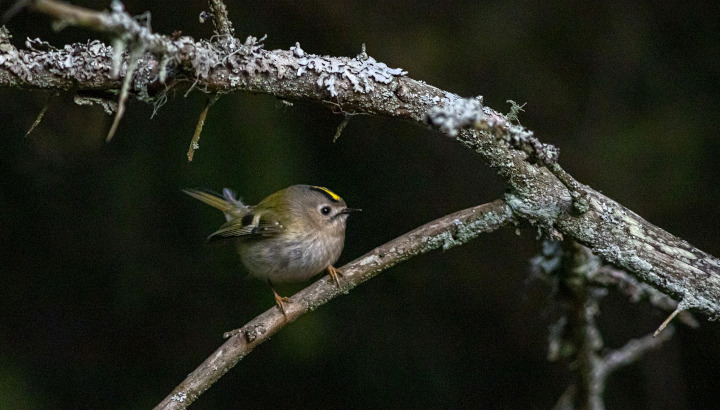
[445, 232]
[13, 10]
[221, 20]
[190, 89]
[633, 350]
[163, 68]
[515, 109]
[198, 129]
[679, 309]
[341, 127]
[115, 21]
[124, 91]
[71, 14]
[40, 115]
[611, 276]
[577, 337]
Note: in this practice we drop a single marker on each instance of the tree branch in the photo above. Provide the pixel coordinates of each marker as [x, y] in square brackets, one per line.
[445, 232]
[541, 192]
[363, 85]
[576, 337]
[220, 18]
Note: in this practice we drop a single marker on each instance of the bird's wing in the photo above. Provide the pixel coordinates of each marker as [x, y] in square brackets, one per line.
[251, 225]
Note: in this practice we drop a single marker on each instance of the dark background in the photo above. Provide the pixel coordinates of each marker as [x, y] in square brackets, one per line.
[108, 297]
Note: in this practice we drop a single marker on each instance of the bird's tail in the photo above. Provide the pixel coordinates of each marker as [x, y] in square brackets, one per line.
[231, 206]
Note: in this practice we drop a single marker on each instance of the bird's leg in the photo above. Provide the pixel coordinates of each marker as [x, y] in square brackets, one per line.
[279, 300]
[334, 274]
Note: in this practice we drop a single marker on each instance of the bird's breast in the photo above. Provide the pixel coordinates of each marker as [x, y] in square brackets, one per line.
[290, 258]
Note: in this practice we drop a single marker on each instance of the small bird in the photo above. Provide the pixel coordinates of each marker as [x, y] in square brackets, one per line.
[290, 236]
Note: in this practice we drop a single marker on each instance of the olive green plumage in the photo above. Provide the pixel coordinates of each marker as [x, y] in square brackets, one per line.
[290, 236]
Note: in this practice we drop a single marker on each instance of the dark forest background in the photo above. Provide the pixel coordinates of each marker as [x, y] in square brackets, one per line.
[109, 298]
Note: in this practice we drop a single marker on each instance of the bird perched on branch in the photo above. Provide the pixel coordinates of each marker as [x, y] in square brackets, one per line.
[290, 236]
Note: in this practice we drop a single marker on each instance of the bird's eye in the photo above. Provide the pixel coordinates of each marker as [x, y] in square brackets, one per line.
[325, 210]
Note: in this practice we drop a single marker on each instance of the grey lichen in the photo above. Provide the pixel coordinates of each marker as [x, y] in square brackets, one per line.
[637, 264]
[254, 331]
[109, 106]
[179, 397]
[82, 62]
[456, 114]
[297, 51]
[465, 231]
[541, 213]
[361, 73]
[470, 113]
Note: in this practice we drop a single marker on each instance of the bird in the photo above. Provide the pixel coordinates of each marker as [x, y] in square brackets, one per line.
[289, 237]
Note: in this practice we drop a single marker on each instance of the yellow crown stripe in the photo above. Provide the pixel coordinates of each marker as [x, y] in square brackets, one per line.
[329, 193]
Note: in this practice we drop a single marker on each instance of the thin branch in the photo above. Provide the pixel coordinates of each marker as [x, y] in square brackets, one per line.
[580, 335]
[633, 350]
[222, 22]
[135, 54]
[71, 15]
[576, 336]
[445, 232]
[115, 21]
[636, 290]
[194, 143]
[668, 320]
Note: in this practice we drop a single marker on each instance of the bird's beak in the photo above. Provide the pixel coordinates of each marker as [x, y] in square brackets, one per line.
[350, 210]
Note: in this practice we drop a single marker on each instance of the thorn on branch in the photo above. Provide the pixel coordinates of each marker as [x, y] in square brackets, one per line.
[297, 50]
[198, 129]
[40, 116]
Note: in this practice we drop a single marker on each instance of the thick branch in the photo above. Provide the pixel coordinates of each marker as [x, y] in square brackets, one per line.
[446, 232]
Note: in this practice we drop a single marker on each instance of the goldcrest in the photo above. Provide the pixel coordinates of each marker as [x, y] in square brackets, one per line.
[290, 236]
